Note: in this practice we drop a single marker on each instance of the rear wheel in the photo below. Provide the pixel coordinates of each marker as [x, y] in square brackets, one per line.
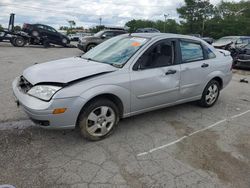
[64, 42]
[98, 119]
[210, 94]
[19, 42]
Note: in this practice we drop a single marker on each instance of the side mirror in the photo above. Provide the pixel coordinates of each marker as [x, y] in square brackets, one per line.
[104, 36]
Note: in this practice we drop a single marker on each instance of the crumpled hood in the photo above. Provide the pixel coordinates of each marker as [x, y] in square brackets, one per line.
[65, 70]
[220, 44]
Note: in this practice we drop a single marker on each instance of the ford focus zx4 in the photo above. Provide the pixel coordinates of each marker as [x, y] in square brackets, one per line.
[124, 76]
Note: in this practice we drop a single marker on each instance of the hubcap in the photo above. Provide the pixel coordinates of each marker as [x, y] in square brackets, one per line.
[100, 121]
[19, 42]
[212, 94]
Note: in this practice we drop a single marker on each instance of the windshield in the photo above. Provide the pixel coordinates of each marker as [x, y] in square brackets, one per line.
[99, 34]
[226, 40]
[116, 51]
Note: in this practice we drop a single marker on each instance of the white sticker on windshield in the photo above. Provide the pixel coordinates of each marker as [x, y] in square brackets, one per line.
[138, 39]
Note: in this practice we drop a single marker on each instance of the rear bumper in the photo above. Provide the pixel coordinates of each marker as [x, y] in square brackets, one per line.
[41, 112]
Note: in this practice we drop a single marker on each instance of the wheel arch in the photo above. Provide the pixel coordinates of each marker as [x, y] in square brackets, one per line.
[219, 80]
[112, 97]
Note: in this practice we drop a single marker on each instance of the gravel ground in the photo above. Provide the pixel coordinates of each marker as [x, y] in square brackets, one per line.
[181, 146]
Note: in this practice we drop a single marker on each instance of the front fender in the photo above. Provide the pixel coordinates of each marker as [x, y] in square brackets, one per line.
[122, 93]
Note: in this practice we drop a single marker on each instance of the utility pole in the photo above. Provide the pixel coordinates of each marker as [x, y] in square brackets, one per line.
[100, 19]
[165, 16]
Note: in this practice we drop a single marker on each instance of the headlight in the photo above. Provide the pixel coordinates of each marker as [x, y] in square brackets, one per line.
[83, 40]
[44, 92]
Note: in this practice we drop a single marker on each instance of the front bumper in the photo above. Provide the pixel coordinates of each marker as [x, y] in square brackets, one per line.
[82, 47]
[41, 112]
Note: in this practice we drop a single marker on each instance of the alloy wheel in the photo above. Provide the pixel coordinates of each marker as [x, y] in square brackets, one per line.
[100, 121]
[212, 94]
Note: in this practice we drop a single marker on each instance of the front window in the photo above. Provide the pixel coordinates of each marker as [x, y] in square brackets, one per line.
[116, 51]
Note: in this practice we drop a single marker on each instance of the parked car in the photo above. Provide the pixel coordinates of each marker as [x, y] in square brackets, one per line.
[231, 42]
[209, 40]
[89, 42]
[77, 36]
[241, 56]
[48, 34]
[147, 30]
[124, 76]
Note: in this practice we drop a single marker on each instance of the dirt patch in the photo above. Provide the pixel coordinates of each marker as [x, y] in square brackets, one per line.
[202, 152]
[181, 128]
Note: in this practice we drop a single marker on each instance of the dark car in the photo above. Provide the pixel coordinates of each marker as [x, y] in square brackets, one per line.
[46, 34]
[88, 42]
[209, 40]
[147, 30]
[242, 56]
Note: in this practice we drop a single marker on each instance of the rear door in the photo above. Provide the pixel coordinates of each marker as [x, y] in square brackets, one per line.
[155, 77]
[196, 63]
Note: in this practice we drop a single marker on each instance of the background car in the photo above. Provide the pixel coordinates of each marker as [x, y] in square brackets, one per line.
[147, 30]
[47, 34]
[124, 76]
[77, 36]
[89, 42]
[231, 42]
[242, 56]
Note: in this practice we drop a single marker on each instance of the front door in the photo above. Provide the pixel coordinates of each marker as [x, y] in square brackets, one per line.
[155, 78]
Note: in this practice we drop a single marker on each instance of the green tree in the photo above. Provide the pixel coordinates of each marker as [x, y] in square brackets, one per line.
[1, 28]
[195, 14]
[171, 25]
[71, 23]
[17, 28]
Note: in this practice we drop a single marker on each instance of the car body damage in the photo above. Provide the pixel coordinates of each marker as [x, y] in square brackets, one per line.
[65, 71]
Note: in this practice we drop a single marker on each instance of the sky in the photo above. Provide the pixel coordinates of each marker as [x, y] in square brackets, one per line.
[87, 13]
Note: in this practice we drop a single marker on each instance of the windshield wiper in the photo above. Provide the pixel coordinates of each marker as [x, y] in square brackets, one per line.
[116, 65]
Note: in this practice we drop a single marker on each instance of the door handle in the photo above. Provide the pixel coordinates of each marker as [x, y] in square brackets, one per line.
[204, 65]
[170, 72]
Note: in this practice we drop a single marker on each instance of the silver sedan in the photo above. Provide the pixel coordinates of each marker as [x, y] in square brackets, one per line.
[124, 76]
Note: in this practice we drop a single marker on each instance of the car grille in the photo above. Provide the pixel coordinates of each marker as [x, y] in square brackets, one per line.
[24, 85]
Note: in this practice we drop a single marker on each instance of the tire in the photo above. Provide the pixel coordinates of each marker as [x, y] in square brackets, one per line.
[12, 41]
[64, 42]
[210, 94]
[98, 119]
[90, 46]
[46, 44]
[19, 42]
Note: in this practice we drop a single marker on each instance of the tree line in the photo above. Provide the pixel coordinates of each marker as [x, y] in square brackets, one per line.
[202, 17]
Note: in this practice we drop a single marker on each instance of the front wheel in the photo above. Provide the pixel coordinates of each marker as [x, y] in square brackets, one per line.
[210, 94]
[98, 119]
[90, 46]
